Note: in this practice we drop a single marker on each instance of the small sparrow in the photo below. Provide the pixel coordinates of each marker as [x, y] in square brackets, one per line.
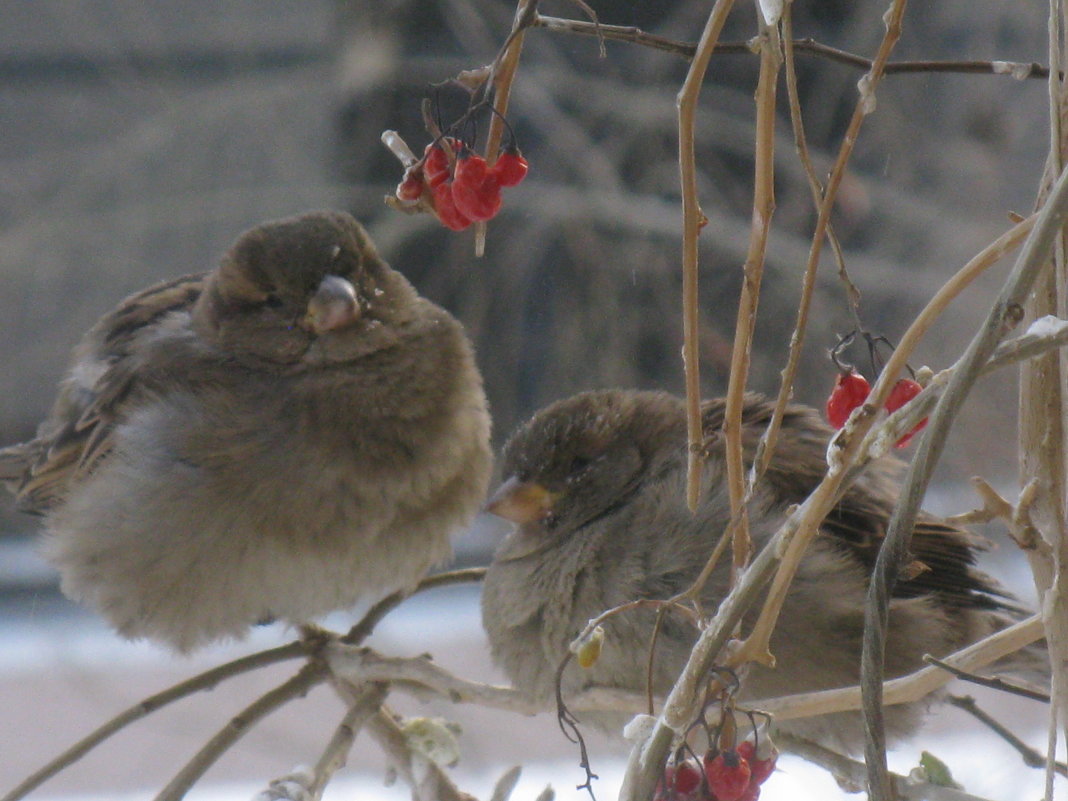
[291, 433]
[596, 486]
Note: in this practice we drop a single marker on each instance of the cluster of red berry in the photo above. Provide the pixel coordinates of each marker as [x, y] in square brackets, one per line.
[733, 774]
[463, 188]
[851, 390]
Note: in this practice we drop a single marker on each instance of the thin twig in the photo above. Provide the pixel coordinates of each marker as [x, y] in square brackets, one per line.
[337, 750]
[993, 682]
[766, 446]
[1031, 757]
[753, 272]
[362, 630]
[692, 221]
[311, 674]
[420, 675]
[910, 688]
[504, 68]
[865, 105]
[787, 544]
[808, 47]
[852, 773]
[204, 681]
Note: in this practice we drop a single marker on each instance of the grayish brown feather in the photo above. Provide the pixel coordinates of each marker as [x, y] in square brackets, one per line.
[209, 462]
[620, 530]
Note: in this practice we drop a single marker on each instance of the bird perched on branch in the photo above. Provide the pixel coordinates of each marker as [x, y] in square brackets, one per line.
[596, 486]
[286, 435]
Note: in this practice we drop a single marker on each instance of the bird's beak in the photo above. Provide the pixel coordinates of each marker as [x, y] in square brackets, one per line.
[334, 305]
[521, 501]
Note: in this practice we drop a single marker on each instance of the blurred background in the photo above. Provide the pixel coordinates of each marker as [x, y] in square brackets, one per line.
[138, 139]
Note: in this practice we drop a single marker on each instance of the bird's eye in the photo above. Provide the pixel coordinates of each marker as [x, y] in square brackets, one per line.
[273, 301]
[579, 463]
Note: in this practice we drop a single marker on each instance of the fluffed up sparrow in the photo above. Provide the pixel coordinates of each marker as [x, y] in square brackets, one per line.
[596, 486]
[293, 432]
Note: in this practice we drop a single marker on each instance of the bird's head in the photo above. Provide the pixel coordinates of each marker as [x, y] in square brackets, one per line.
[582, 457]
[303, 289]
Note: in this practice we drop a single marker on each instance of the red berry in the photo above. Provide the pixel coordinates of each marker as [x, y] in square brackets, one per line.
[411, 188]
[727, 774]
[470, 169]
[687, 778]
[474, 189]
[752, 792]
[759, 769]
[450, 216]
[761, 760]
[904, 390]
[510, 168]
[850, 391]
[681, 782]
[436, 163]
[477, 201]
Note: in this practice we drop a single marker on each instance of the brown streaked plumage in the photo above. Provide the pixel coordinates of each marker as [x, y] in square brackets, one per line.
[288, 434]
[608, 523]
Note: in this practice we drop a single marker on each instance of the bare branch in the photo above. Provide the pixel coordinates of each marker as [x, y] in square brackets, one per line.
[1031, 757]
[204, 681]
[311, 674]
[853, 774]
[1005, 313]
[622, 33]
[692, 222]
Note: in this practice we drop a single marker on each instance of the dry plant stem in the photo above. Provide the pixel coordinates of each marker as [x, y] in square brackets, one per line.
[647, 759]
[503, 74]
[993, 682]
[337, 750]
[766, 447]
[949, 291]
[753, 272]
[1028, 346]
[1016, 350]
[311, 674]
[1031, 757]
[1042, 433]
[865, 105]
[203, 681]
[692, 218]
[810, 47]
[756, 644]
[787, 546]
[421, 676]
[909, 688]
[1005, 314]
[851, 772]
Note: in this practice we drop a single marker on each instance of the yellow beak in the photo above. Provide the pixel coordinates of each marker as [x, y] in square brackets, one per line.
[521, 501]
